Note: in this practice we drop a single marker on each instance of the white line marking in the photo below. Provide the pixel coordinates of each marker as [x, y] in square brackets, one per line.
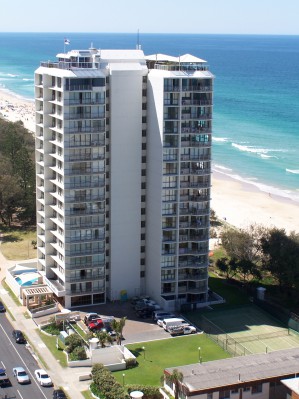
[19, 394]
[29, 372]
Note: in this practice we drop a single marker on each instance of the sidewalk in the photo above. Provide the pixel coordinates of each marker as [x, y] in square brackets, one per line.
[68, 378]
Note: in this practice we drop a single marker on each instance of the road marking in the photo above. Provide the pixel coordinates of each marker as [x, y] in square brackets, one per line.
[3, 365]
[19, 394]
[29, 372]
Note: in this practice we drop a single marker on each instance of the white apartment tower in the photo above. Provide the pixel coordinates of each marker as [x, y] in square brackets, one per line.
[123, 159]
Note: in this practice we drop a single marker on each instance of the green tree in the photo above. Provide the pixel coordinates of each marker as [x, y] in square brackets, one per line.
[118, 326]
[228, 267]
[281, 254]
[176, 378]
[103, 338]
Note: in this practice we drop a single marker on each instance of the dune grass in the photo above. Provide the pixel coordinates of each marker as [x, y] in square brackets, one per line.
[16, 243]
[172, 352]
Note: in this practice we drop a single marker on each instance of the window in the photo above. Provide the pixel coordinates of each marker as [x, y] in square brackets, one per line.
[224, 394]
[209, 396]
[258, 388]
[142, 274]
[246, 389]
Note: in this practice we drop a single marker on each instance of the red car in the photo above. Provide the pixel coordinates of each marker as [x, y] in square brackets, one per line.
[96, 325]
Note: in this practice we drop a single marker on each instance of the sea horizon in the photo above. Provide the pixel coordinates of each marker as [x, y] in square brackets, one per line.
[256, 106]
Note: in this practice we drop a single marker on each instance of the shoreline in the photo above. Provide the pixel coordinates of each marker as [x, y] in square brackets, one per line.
[243, 204]
[14, 108]
[239, 202]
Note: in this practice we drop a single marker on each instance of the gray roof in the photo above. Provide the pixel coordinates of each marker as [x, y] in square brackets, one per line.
[221, 373]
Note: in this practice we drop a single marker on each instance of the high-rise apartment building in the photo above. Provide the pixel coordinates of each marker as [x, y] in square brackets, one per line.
[123, 158]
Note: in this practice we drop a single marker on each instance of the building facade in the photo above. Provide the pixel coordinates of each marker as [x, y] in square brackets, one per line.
[123, 163]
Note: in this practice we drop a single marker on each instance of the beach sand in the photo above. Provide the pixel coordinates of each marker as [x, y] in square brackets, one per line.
[13, 109]
[241, 204]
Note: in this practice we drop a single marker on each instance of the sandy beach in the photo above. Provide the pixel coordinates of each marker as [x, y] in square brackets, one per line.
[13, 109]
[241, 204]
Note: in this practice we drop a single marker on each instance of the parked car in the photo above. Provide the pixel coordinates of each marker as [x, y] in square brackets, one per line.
[144, 313]
[89, 317]
[2, 307]
[185, 330]
[96, 325]
[161, 314]
[18, 337]
[21, 375]
[43, 378]
[4, 380]
[59, 394]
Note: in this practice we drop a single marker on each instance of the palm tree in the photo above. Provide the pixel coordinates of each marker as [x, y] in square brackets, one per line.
[176, 378]
[118, 326]
[103, 337]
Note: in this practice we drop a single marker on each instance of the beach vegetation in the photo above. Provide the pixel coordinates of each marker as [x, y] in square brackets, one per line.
[17, 180]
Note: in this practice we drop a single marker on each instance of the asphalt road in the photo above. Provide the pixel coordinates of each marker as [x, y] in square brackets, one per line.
[13, 355]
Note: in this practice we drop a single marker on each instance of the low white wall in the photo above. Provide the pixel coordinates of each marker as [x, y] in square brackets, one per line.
[45, 312]
[13, 285]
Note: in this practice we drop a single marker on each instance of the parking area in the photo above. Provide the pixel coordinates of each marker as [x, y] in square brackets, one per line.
[136, 329]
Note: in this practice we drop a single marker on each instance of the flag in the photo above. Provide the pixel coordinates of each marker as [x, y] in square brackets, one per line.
[66, 41]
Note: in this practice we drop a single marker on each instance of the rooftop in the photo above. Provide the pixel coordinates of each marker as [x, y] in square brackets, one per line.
[239, 370]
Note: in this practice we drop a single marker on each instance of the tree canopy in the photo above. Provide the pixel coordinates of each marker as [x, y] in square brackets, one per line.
[17, 179]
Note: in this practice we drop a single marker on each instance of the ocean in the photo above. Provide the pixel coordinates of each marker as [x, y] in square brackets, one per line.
[256, 98]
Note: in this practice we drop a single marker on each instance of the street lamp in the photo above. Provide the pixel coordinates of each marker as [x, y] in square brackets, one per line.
[199, 354]
[143, 348]
[124, 379]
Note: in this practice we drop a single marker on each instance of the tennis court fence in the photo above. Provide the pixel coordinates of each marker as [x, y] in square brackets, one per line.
[234, 345]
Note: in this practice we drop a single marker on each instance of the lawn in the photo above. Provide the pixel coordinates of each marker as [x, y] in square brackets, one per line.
[87, 395]
[162, 354]
[16, 243]
[50, 342]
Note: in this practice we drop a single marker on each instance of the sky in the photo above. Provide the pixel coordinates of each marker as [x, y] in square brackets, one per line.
[278, 17]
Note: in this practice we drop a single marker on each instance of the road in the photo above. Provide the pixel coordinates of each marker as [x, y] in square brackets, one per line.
[12, 355]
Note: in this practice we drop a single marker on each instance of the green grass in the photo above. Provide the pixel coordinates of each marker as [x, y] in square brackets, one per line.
[87, 395]
[50, 342]
[11, 293]
[16, 243]
[232, 294]
[166, 353]
[80, 331]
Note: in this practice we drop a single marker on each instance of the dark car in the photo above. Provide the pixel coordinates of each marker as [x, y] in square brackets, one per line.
[144, 313]
[2, 307]
[18, 337]
[59, 394]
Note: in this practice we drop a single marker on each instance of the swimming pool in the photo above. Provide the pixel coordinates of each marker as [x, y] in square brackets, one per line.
[27, 279]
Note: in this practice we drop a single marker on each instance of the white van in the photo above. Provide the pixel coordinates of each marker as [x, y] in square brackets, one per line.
[174, 322]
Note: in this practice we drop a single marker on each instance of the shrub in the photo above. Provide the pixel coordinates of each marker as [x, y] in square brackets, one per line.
[104, 384]
[72, 342]
[131, 363]
[53, 328]
[78, 353]
[148, 391]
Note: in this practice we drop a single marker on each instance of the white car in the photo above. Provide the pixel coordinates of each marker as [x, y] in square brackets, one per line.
[183, 330]
[43, 378]
[21, 375]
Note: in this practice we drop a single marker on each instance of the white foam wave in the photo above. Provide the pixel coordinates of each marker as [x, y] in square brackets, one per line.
[257, 150]
[265, 156]
[295, 171]
[271, 190]
[220, 139]
[28, 80]
[12, 75]
[216, 166]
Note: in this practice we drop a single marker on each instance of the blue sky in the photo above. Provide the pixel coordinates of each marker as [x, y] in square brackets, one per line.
[149, 16]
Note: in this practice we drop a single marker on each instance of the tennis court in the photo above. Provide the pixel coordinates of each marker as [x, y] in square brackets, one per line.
[246, 330]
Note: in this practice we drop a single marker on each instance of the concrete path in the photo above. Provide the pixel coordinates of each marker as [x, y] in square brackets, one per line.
[68, 378]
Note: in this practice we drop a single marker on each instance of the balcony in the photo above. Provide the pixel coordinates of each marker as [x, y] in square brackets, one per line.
[84, 157]
[86, 265]
[84, 115]
[84, 251]
[84, 171]
[86, 278]
[82, 291]
[198, 88]
[86, 101]
[85, 184]
[194, 211]
[192, 251]
[192, 276]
